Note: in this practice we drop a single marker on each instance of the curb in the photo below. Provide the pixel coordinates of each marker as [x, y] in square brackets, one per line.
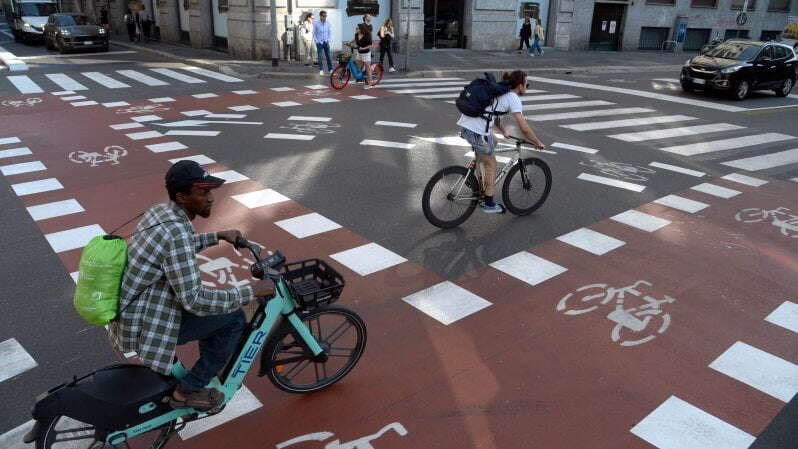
[11, 61]
[211, 65]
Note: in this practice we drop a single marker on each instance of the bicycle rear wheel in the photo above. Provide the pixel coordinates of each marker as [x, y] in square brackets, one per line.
[449, 197]
[339, 77]
[376, 74]
[64, 432]
[341, 333]
[527, 186]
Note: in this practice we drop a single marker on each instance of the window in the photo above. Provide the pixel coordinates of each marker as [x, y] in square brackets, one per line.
[741, 51]
[738, 4]
[779, 5]
[704, 3]
[769, 35]
[696, 38]
[660, 2]
[767, 52]
[732, 34]
[651, 38]
[779, 52]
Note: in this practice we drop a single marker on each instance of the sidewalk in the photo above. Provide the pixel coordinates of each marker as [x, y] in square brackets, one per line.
[432, 62]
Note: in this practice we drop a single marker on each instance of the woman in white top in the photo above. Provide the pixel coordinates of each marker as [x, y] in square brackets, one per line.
[306, 36]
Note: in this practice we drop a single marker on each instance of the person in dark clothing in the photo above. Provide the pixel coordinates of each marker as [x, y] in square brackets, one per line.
[104, 18]
[146, 23]
[363, 42]
[130, 23]
[386, 41]
[525, 34]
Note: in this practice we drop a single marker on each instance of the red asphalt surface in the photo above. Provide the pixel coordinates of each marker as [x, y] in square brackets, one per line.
[518, 374]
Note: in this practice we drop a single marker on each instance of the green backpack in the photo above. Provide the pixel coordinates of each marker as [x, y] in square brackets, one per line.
[102, 265]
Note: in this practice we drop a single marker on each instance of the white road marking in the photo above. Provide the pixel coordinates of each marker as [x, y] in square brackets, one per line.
[367, 259]
[445, 83]
[14, 359]
[681, 203]
[25, 167]
[387, 144]
[759, 369]
[628, 122]
[73, 238]
[245, 92]
[586, 114]
[63, 92]
[640, 220]
[566, 146]
[243, 108]
[116, 104]
[242, 403]
[161, 100]
[548, 97]
[142, 78]
[718, 191]
[765, 161]
[284, 136]
[146, 118]
[65, 82]
[786, 316]
[104, 80]
[184, 132]
[73, 98]
[72, 55]
[178, 76]
[326, 100]
[25, 85]
[446, 302]
[55, 209]
[396, 124]
[426, 91]
[528, 267]
[211, 74]
[200, 159]
[743, 179]
[438, 96]
[677, 424]
[675, 132]
[309, 118]
[260, 198]
[13, 438]
[9, 140]
[317, 87]
[611, 182]
[13, 152]
[196, 113]
[677, 169]
[282, 89]
[431, 80]
[205, 95]
[307, 225]
[569, 105]
[230, 176]
[362, 97]
[667, 80]
[84, 103]
[144, 135]
[499, 159]
[225, 116]
[284, 104]
[167, 146]
[726, 144]
[591, 241]
[448, 140]
[42, 185]
[127, 126]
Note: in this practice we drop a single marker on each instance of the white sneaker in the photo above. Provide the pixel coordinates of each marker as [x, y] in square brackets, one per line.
[321, 72]
[368, 87]
[541, 52]
[392, 69]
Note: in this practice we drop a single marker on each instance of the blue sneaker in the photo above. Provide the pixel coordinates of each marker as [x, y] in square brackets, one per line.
[495, 209]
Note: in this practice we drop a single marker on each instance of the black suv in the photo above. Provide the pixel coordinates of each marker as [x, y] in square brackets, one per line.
[69, 31]
[739, 67]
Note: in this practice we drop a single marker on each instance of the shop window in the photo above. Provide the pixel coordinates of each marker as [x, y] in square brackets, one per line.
[531, 10]
[651, 38]
[696, 38]
[661, 2]
[361, 7]
[738, 4]
[779, 5]
[736, 34]
[704, 3]
[769, 35]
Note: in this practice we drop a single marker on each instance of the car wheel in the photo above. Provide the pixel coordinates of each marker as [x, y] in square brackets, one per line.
[687, 87]
[105, 47]
[60, 45]
[785, 88]
[741, 90]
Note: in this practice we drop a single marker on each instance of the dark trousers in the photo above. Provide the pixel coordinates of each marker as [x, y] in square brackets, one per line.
[324, 48]
[385, 48]
[524, 40]
[218, 336]
[146, 26]
[131, 31]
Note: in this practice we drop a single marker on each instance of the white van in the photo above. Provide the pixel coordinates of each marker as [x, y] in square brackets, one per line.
[27, 18]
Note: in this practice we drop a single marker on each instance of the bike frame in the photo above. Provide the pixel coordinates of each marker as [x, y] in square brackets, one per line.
[253, 339]
[352, 67]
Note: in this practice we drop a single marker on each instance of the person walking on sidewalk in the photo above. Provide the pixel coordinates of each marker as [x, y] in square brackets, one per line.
[539, 36]
[306, 35]
[130, 23]
[386, 42]
[321, 35]
[524, 34]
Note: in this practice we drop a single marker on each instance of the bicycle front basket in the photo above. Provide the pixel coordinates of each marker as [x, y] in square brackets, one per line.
[343, 58]
[313, 283]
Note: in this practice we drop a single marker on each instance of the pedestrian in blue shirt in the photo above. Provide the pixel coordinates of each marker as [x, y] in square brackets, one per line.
[321, 35]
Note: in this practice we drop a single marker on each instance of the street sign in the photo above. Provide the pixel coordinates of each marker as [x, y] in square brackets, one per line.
[742, 18]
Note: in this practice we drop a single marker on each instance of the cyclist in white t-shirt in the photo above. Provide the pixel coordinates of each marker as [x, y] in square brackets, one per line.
[475, 132]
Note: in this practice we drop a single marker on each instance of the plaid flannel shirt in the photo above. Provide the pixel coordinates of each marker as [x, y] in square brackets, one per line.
[162, 279]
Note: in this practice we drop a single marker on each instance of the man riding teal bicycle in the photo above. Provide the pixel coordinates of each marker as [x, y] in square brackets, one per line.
[162, 301]
[476, 131]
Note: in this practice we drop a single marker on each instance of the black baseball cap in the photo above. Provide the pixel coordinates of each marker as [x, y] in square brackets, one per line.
[189, 173]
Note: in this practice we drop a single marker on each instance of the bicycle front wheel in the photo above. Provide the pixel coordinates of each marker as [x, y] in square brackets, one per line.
[340, 332]
[339, 77]
[449, 197]
[527, 186]
[64, 432]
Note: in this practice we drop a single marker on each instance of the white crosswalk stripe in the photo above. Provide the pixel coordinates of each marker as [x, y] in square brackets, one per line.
[438, 83]
[211, 74]
[104, 80]
[407, 80]
[65, 82]
[675, 132]
[726, 144]
[592, 126]
[766, 161]
[25, 85]
[142, 78]
[178, 76]
[548, 97]
[426, 91]
[569, 105]
[586, 114]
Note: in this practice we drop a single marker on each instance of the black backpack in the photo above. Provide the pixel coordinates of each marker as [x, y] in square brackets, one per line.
[479, 94]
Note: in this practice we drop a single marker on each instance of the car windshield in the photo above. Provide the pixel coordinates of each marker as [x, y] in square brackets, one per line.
[38, 9]
[740, 51]
[68, 21]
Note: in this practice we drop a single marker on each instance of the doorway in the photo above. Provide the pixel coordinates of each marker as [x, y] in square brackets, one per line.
[183, 20]
[219, 20]
[605, 33]
[443, 24]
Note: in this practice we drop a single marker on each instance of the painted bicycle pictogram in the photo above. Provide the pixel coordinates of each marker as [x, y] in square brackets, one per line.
[360, 443]
[623, 170]
[143, 108]
[780, 217]
[313, 127]
[111, 154]
[28, 102]
[646, 320]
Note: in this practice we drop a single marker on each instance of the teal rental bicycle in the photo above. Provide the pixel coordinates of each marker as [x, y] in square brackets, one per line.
[127, 405]
[347, 67]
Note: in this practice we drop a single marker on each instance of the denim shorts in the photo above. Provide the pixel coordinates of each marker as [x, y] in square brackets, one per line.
[483, 144]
